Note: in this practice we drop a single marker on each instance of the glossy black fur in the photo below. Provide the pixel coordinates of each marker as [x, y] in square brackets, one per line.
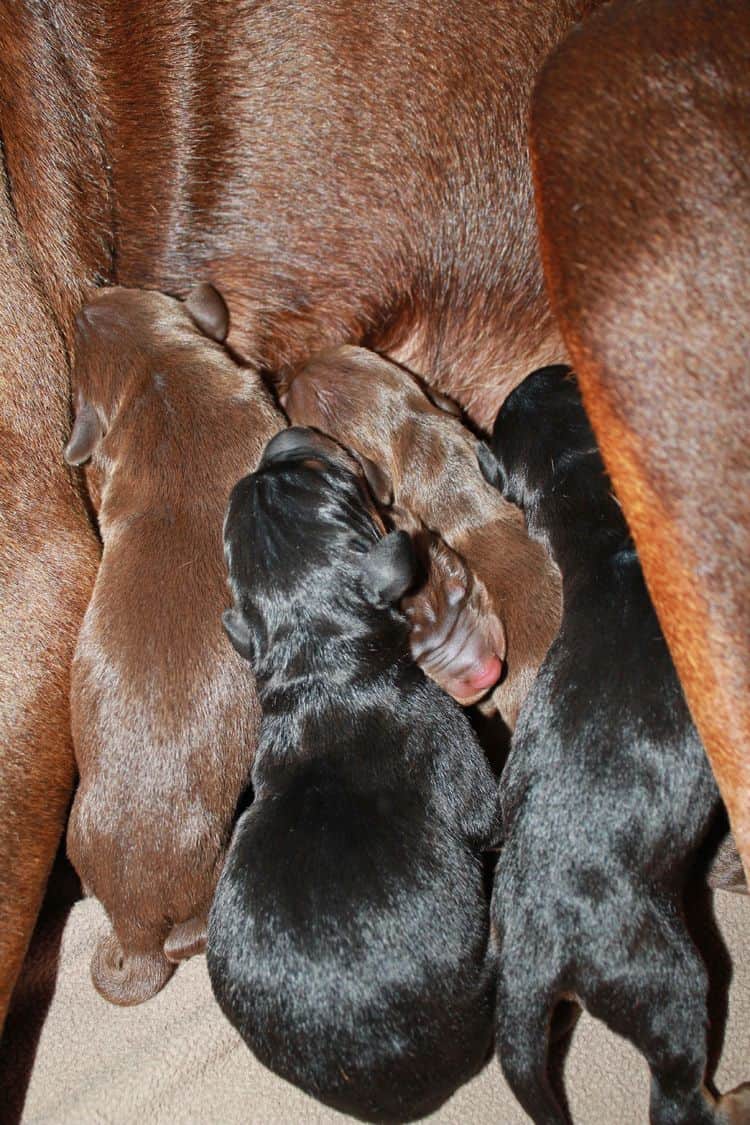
[348, 940]
[606, 793]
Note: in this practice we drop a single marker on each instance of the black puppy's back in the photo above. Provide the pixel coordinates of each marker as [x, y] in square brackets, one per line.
[606, 793]
[357, 925]
[348, 939]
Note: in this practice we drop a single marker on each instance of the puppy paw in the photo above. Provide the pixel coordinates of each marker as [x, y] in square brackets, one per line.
[734, 1107]
[127, 978]
[186, 939]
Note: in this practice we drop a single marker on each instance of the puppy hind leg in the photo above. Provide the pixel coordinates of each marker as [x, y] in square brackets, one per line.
[127, 978]
[734, 1107]
[656, 998]
[523, 1022]
[185, 940]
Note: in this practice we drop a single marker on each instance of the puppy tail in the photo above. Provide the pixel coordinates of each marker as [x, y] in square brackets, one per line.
[127, 978]
[186, 939]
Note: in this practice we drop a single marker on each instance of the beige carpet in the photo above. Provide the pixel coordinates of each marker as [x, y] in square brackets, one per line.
[176, 1061]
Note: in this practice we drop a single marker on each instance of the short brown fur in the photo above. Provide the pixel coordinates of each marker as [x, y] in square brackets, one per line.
[48, 558]
[333, 191]
[428, 459]
[164, 713]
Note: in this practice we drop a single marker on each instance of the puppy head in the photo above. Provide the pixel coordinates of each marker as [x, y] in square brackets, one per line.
[368, 404]
[456, 637]
[540, 428]
[123, 339]
[306, 549]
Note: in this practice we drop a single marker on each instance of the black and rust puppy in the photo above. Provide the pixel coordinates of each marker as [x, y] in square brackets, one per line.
[607, 792]
[348, 939]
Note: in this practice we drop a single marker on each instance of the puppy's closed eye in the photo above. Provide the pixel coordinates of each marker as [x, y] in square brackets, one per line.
[238, 630]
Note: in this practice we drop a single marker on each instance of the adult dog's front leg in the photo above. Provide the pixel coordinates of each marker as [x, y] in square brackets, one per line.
[644, 208]
[48, 556]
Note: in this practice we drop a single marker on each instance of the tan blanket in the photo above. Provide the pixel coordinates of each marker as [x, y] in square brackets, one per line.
[176, 1061]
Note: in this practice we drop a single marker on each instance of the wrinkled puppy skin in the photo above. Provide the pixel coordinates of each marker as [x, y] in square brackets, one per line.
[348, 938]
[164, 714]
[426, 464]
[455, 636]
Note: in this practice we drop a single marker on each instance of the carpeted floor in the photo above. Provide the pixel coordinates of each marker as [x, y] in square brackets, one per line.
[175, 1060]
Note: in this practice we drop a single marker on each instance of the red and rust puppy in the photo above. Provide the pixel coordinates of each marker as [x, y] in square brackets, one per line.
[164, 714]
[500, 599]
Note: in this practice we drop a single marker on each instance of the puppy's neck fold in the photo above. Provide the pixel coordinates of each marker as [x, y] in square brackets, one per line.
[309, 666]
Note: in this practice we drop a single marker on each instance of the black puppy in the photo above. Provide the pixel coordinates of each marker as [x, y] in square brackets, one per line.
[348, 939]
[607, 792]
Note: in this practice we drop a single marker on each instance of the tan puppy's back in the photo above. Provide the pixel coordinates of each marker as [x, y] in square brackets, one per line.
[164, 712]
[426, 464]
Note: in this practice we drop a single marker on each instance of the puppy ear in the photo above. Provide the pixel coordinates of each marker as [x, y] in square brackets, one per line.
[237, 629]
[379, 481]
[490, 467]
[208, 310]
[389, 567]
[85, 436]
[442, 402]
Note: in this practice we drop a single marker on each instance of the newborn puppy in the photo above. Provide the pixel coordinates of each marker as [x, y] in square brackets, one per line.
[348, 936]
[421, 456]
[606, 794]
[164, 714]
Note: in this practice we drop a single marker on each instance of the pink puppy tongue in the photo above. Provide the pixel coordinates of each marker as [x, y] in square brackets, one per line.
[480, 677]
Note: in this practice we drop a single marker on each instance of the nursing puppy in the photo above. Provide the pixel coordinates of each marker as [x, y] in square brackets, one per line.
[164, 714]
[425, 461]
[607, 792]
[348, 936]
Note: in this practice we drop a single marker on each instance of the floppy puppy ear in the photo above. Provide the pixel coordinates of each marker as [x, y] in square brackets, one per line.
[208, 310]
[442, 402]
[85, 436]
[237, 629]
[379, 481]
[490, 467]
[389, 568]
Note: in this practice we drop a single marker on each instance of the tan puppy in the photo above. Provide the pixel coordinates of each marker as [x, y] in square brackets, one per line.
[499, 602]
[164, 713]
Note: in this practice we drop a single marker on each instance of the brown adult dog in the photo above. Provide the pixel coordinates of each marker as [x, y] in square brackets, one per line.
[386, 197]
[164, 713]
[645, 213]
[425, 460]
